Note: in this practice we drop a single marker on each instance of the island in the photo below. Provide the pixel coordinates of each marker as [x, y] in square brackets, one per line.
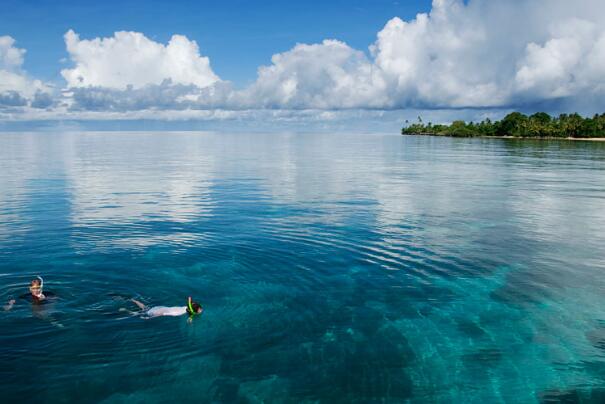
[517, 125]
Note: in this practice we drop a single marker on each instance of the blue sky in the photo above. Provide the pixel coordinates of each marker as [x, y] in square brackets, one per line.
[237, 35]
[318, 63]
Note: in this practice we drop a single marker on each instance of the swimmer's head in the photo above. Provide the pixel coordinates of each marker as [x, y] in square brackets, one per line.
[193, 307]
[197, 308]
[35, 287]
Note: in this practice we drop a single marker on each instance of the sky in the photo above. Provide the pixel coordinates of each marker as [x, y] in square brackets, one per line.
[314, 63]
[237, 35]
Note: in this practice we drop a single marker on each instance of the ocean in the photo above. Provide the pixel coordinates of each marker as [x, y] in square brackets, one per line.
[331, 268]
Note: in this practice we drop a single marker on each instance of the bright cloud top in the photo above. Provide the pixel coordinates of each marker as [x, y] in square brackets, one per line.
[482, 54]
[10, 56]
[131, 59]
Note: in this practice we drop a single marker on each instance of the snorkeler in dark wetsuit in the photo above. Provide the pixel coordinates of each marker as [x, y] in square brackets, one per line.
[36, 294]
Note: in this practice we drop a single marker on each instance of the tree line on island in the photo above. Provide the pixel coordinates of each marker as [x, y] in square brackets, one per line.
[516, 124]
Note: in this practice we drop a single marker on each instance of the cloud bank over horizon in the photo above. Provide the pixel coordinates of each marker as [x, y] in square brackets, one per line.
[483, 55]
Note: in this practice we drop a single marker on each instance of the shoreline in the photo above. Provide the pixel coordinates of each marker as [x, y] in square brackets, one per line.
[591, 139]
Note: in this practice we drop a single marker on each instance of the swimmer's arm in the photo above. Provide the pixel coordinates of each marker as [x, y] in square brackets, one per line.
[139, 304]
[9, 305]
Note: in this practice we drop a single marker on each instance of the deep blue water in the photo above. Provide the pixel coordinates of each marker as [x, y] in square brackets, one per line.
[332, 268]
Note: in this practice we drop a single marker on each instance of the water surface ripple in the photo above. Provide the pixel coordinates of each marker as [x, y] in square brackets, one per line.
[332, 268]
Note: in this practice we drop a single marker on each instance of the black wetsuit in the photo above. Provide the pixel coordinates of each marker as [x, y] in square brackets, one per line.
[49, 297]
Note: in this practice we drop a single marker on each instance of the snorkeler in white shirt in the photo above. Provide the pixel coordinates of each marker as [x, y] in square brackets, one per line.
[146, 312]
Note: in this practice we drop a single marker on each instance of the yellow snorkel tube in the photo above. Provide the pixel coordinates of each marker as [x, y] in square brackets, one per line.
[190, 307]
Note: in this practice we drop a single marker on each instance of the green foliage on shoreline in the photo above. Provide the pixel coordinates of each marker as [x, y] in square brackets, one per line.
[538, 125]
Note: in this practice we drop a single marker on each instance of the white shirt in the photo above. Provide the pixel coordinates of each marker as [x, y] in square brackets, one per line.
[166, 311]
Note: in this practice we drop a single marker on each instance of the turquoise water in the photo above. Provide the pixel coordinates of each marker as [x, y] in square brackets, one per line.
[332, 268]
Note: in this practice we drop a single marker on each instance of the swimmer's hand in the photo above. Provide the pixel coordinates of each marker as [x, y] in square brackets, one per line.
[10, 305]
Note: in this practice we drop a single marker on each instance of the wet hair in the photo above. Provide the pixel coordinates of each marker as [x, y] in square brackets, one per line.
[195, 306]
[35, 282]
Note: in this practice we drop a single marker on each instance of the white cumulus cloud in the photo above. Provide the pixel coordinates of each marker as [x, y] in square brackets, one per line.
[570, 62]
[326, 75]
[481, 55]
[132, 59]
[17, 89]
[10, 56]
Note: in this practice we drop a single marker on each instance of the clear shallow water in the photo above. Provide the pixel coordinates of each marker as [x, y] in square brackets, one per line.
[332, 268]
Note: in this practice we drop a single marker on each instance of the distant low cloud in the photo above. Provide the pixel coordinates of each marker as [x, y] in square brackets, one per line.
[478, 54]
